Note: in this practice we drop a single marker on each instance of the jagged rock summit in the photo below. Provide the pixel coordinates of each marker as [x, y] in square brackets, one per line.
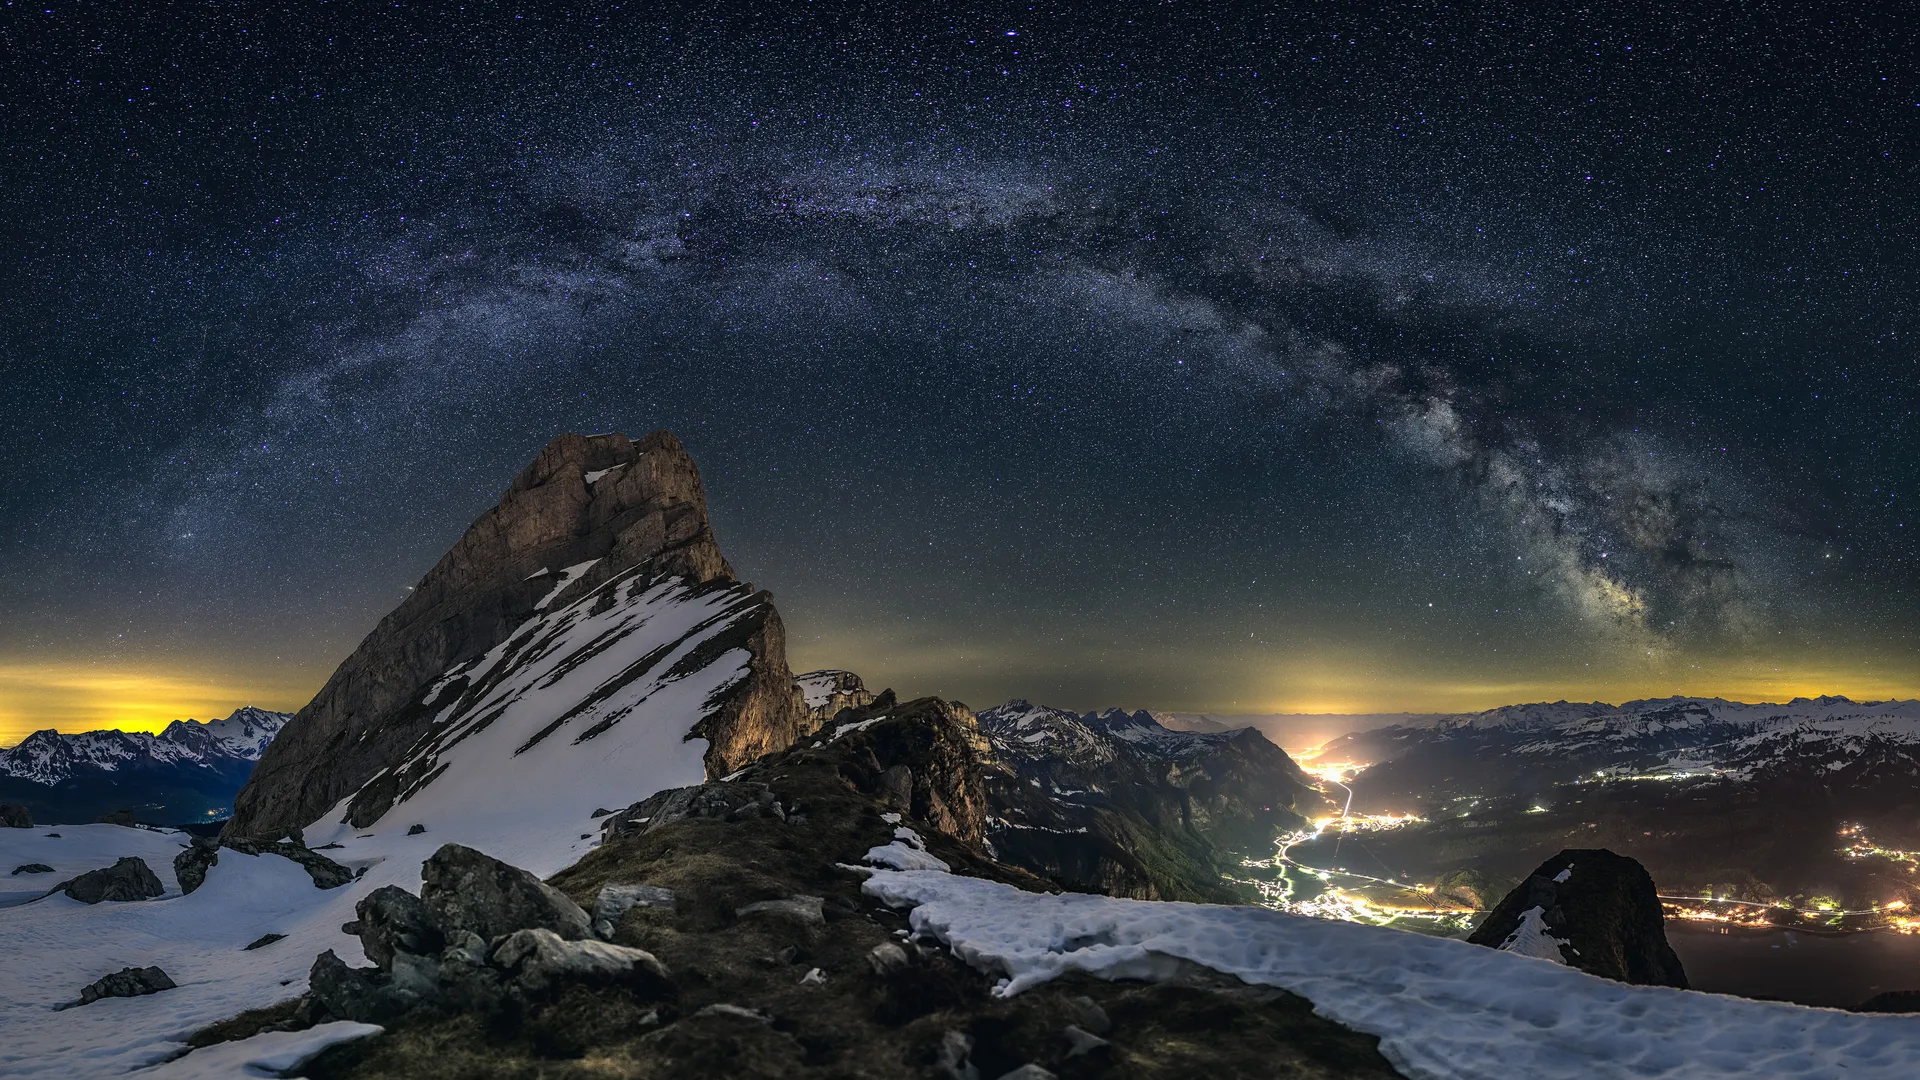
[1591, 909]
[591, 589]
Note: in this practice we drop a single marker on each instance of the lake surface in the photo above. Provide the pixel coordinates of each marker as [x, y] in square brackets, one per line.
[1812, 969]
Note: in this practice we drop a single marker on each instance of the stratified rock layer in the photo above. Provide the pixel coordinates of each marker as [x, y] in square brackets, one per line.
[587, 509]
[1598, 911]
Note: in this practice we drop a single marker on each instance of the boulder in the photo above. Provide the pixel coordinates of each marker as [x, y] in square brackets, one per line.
[33, 868]
[15, 816]
[118, 817]
[391, 920]
[615, 901]
[363, 995]
[805, 910]
[536, 959]
[1590, 909]
[465, 890]
[127, 982]
[128, 879]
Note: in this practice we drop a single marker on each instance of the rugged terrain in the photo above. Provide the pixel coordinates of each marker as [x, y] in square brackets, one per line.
[1115, 803]
[189, 771]
[772, 961]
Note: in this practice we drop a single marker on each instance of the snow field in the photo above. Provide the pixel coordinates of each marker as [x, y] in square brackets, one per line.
[1443, 1009]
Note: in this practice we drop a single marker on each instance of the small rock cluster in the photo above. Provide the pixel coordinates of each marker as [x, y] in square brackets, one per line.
[738, 801]
[191, 865]
[480, 936]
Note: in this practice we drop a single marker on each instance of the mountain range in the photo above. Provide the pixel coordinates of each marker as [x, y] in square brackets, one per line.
[190, 771]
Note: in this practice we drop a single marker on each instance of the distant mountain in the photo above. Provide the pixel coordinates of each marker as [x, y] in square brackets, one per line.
[188, 772]
[1116, 802]
[1519, 749]
[1808, 802]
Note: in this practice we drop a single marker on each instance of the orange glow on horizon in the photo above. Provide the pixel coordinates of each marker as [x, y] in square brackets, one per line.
[77, 696]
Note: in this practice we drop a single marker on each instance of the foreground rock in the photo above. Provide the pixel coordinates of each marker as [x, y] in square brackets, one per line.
[1589, 909]
[15, 816]
[127, 982]
[482, 937]
[464, 891]
[731, 939]
[601, 505]
[128, 879]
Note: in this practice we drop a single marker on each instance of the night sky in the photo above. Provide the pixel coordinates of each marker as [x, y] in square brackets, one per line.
[1209, 360]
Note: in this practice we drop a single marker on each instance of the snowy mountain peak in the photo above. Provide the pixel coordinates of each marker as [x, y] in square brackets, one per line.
[49, 757]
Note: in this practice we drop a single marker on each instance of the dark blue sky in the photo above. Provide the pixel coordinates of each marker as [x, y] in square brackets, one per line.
[1215, 359]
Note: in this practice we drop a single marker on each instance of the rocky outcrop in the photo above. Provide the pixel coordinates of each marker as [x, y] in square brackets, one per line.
[128, 879]
[127, 982]
[830, 690]
[33, 868]
[15, 816]
[203, 852]
[1590, 909]
[587, 510]
[482, 936]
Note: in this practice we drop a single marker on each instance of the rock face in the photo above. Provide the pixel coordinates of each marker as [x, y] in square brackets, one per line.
[128, 879]
[1114, 802]
[1590, 909]
[589, 512]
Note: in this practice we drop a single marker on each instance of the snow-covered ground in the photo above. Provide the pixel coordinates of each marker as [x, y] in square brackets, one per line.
[1444, 1009]
[528, 805]
[73, 850]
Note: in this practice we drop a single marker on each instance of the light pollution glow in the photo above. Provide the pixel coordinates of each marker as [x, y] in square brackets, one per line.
[78, 695]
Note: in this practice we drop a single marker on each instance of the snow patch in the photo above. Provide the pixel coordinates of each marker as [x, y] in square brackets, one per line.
[274, 1053]
[1443, 1009]
[1534, 938]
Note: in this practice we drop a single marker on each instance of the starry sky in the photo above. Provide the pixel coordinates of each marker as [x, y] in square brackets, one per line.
[1214, 358]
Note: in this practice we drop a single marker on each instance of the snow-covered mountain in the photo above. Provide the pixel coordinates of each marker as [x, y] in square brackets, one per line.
[48, 757]
[190, 768]
[1843, 742]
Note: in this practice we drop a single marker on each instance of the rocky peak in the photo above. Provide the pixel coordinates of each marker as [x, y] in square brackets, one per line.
[588, 511]
[830, 690]
[1590, 909]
